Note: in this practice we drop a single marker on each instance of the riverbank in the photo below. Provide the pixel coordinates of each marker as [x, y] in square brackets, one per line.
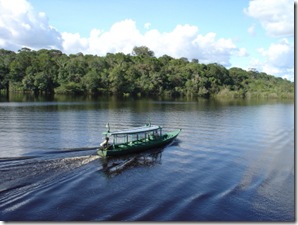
[53, 72]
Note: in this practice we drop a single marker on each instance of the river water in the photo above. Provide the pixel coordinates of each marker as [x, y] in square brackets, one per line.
[232, 161]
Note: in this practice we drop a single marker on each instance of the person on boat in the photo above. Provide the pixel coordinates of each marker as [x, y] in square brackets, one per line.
[154, 136]
[105, 143]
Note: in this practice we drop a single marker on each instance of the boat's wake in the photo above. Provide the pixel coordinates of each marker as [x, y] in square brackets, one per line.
[21, 171]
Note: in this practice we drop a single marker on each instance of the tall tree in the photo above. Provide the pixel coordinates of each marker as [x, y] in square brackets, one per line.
[142, 51]
[6, 58]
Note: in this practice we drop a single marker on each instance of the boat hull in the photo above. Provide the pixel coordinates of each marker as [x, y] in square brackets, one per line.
[139, 146]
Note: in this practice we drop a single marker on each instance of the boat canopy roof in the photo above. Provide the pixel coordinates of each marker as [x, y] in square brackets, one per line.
[135, 130]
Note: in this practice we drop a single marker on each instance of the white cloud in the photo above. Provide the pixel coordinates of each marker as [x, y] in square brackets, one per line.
[275, 16]
[182, 41]
[21, 27]
[75, 43]
[280, 53]
[279, 59]
[121, 37]
[242, 52]
[251, 30]
[177, 43]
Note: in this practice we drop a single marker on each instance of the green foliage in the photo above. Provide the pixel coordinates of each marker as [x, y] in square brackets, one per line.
[142, 51]
[142, 74]
[6, 58]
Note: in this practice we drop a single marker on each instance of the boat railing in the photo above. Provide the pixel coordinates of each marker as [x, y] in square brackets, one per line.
[132, 137]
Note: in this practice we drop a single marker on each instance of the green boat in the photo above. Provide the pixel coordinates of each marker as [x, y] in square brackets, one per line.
[135, 140]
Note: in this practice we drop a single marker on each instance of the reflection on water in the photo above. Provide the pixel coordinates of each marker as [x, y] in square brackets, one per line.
[233, 161]
[117, 165]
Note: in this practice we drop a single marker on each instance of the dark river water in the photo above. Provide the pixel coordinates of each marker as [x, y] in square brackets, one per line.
[232, 161]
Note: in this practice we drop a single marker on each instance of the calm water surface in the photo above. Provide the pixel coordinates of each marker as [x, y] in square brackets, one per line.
[233, 161]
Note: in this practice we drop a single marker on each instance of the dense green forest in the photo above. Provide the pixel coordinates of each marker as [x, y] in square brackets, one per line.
[137, 74]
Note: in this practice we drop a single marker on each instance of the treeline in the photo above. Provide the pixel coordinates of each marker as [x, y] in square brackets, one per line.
[136, 74]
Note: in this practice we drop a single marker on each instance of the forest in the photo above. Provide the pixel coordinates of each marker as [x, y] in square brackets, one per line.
[137, 74]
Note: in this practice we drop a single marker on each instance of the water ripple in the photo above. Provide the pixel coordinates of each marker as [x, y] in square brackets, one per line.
[229, 163]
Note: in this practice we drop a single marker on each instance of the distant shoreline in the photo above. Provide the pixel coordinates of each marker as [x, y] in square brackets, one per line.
[138, 74]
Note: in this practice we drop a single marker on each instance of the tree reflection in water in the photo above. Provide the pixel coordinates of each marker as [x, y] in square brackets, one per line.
[116, 165]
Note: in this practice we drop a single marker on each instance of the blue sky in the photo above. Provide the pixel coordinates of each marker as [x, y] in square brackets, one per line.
[235, 33]
[82, 16]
